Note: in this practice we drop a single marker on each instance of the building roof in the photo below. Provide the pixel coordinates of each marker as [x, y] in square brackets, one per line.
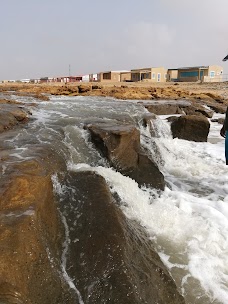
[121, 71]
[141, 69]
[202, 67]
[145, 70]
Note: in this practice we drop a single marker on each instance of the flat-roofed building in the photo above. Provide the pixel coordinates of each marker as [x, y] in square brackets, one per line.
[155, 74]
[85, 78]
[92, 77]
[68, 79]
[113, 76]
[172, 75]
[125, 76]
[211, 73]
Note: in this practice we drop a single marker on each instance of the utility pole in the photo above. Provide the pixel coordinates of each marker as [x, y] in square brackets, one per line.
[69, 69]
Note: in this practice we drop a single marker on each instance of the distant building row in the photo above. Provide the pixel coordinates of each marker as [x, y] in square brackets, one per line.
[212, 73]
[185, 74]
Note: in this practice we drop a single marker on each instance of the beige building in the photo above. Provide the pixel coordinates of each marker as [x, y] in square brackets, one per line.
[213, 73]
[172, 75]
[149, 74]
[125, 76]
[113, 76]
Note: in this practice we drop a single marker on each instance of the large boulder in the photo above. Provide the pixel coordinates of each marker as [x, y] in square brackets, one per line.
[110, 257]
[31, 237]
[120, 144]
[11, 115]
[191, 127]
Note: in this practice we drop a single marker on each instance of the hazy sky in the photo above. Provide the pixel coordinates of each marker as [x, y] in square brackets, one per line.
[42, 37]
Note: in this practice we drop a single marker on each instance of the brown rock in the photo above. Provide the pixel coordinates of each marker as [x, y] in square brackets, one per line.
[7, 121]
[19, 114]
[9, 101]
[84, 88]
[116, 262]
[215, 96]
[197, 110]
[146, 173]
[11, 115]
[96, 87]
[41, 97]
[191, 127]
[163, 109]
[30, 238]
[218, 108]
[177, 107]
[218, 120]
[120, 144]
[221, 121]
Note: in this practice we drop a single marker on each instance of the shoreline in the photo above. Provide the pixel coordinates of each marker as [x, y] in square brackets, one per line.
[125, 90]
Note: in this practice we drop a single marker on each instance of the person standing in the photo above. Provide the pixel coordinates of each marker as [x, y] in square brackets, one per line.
[224, 133]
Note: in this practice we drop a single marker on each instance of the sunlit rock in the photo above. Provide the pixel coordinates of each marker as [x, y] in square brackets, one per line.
[31, 236]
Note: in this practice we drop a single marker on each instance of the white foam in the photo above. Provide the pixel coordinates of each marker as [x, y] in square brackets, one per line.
[189, 222]
[59, 189]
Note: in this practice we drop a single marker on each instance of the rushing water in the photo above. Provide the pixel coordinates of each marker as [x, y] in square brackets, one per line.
[188, 222]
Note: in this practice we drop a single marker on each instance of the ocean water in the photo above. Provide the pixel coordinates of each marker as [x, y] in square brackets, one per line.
[188, 222]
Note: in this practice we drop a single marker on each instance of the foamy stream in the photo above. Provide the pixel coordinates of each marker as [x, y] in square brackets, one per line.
[188, 222]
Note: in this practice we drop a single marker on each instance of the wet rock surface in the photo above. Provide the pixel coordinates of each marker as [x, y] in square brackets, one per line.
[11, 116]
[190, 127]
[31, 235]
[177, 107]
[113, 255]
[115, 259]
[120, 144]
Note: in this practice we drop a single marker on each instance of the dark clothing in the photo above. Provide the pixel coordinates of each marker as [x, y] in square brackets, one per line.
[226, 138]
[226, 147]
[226, 120]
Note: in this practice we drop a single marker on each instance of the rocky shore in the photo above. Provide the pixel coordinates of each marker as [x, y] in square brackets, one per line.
[26, 270]
[138, 91]
[195, 99]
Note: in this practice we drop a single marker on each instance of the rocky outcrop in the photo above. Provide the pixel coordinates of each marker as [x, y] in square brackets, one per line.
[84, 88]
[177, 107]
[31, 237]
[166, 108]
[217, 108]
[11, 115]
[116, 262]
[120, 144]
[203, 94]
[190, 127]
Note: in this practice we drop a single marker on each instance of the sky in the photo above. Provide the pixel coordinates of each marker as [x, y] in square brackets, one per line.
[43, 38]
